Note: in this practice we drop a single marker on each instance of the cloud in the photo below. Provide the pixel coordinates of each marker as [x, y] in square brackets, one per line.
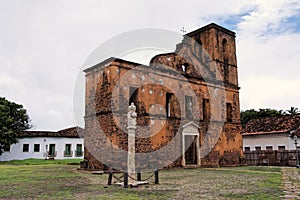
[269, 92]
[268, 57]
[276, 57]
[268, 18]
[43, 44]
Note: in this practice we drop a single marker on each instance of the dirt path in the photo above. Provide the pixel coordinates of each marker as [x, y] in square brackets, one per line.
[291, 183]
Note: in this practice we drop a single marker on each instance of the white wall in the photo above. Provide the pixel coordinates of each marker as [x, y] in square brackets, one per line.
[268, 140]
[16, 150]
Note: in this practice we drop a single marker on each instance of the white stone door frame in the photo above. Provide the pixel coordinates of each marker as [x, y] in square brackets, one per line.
[190, 129]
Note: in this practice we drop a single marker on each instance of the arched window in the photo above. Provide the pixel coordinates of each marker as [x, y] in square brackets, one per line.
[133, 96]
[183, 68]
[186, 68]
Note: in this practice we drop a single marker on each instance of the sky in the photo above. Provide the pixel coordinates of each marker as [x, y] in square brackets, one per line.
[43, 45]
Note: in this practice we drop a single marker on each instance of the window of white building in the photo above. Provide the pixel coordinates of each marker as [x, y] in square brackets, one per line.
[68, 151]
[257, 148]
[281, 147]
[269, 148]
[25, 147]
[247, 149]
[36, 148]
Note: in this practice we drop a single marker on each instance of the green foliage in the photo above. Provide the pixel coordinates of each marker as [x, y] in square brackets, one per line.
[247, 115]
[293, 111]
[13, 119]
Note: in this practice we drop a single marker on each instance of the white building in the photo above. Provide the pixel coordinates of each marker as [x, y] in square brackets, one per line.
[271, 133]
[268, 141]
[63, 144]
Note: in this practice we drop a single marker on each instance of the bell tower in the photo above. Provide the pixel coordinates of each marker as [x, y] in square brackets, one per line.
[219, 43]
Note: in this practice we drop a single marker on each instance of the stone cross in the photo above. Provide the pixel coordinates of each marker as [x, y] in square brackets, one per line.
[131, 116]
[183, 31]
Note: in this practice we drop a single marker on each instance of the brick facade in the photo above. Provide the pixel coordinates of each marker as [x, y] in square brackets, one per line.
[188, 85]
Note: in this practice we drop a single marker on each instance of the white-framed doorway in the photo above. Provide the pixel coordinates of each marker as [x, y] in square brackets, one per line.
[190, 136]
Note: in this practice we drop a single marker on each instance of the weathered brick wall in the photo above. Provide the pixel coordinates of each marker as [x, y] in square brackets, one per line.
[154, 103]
[108, 90]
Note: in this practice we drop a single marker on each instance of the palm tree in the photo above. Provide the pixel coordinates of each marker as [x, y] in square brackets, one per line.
[293, 111]
[281, 112]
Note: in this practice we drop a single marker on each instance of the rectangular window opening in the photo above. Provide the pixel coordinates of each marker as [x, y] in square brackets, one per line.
[36, 148]
[226, 71]
[168, 103]
[79, 152]
[188, 107]
[269, 148]
[257, 148]
[68, 151]
[247, 149]
[52, 151]
[25, 147]
[228, 112]
[281, 148]
[205, 110]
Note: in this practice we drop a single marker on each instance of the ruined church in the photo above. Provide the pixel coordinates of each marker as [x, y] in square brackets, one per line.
[187, 105]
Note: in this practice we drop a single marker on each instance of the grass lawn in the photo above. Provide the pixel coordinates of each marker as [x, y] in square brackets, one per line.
[40, 179]
[42, 162]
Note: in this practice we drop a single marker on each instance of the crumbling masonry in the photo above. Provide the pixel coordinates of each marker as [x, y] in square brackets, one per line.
[166, 107]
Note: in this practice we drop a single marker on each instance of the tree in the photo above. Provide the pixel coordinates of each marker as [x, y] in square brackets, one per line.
[13, 120]
[247, 115]
[293, 111]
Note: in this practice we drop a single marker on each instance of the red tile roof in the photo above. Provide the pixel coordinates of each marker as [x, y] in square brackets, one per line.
[273, 125]
[73, 132]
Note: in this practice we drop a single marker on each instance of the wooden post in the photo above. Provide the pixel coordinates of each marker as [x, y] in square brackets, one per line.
[125, 179]
[139, 175]
[109, 182]
[156, 176]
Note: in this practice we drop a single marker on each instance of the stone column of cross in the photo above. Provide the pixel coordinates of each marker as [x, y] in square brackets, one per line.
[131, 127]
